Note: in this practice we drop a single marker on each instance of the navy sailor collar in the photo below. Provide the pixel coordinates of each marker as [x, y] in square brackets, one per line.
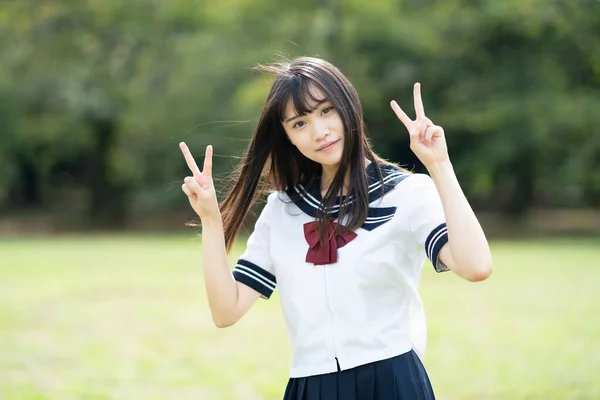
[307, 195]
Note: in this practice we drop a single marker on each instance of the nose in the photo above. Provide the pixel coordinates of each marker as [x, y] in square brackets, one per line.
[321, 129]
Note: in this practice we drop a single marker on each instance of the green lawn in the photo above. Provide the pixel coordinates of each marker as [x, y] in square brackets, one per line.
[125, 317]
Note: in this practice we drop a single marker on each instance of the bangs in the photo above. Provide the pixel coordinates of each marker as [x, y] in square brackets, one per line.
[304, 93]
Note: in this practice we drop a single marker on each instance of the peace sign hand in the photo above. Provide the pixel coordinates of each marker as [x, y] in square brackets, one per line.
[199, 188]
[427, 140]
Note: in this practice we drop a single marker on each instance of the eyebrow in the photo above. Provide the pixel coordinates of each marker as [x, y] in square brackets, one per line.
[290, 119]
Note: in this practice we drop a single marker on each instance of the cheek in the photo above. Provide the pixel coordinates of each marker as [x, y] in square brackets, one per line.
[292, 138]
[304, 146]
[339, 124]
[299, 142]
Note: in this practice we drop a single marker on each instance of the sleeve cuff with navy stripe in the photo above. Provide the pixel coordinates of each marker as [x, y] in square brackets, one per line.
[434, 243]
[255, 277]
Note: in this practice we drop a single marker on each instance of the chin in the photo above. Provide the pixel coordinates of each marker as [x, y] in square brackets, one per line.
[333, 161]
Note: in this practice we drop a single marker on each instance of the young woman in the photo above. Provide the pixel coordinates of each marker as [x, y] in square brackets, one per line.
[344, 235]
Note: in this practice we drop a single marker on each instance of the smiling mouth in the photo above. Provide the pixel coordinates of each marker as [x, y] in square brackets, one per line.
[328, 145]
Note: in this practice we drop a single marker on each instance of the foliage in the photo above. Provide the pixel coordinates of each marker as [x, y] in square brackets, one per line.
[95, 95]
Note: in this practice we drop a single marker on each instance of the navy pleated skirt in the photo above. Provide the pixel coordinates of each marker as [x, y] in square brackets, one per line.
[401, 377]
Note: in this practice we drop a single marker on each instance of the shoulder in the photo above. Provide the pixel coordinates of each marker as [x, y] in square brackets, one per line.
[268, 209]
[275, 200]
[277, 197]
[412, 188]
[391, 174]
[413, 181]
[384, 178]
[417, 181]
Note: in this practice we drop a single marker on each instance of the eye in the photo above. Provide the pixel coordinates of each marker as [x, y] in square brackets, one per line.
[326, 110]
[299, 124]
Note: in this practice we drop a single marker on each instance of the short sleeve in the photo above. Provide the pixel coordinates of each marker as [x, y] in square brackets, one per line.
[254, 268]
[426, 218]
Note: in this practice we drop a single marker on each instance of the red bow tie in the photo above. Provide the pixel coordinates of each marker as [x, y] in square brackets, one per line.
[327, 252]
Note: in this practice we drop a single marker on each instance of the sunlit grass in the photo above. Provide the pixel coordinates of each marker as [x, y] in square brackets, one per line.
[125, 317]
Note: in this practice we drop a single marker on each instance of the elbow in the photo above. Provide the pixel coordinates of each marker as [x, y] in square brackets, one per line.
[224, 322]
[480, 273]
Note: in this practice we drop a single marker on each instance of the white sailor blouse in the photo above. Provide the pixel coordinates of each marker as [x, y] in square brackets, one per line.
[356, 301]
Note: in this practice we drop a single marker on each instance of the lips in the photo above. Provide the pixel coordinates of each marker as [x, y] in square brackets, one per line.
[328, 145]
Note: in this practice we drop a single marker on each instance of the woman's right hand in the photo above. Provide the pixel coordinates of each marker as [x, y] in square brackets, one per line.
[199, 187]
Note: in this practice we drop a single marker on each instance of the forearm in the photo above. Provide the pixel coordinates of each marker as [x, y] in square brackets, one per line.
[468, 247]
[221, 288]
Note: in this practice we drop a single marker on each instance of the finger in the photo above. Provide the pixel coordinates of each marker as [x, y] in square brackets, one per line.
[425, 129]
[401, 114]
[189, 159]
[207, 169]
[429, 133]
[186, 190]
[415, 132]
[192, 185]
[419, 109]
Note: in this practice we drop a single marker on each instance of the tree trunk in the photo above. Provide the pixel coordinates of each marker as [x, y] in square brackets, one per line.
[26, 192]
[107, 202]
[523, 171]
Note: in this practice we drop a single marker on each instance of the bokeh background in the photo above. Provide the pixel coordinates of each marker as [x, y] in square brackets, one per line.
[101, 292]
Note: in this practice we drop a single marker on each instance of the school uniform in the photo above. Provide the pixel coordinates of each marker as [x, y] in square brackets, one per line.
[353, 313]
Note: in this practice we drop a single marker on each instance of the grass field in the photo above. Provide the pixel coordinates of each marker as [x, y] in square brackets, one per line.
[125, 317]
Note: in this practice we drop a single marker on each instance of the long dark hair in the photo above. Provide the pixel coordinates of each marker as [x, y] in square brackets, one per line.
[272, 162]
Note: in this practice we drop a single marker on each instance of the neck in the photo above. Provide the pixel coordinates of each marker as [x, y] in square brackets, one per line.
[328, 173]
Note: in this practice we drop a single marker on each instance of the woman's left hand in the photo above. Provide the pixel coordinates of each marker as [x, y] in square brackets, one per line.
[427, 140]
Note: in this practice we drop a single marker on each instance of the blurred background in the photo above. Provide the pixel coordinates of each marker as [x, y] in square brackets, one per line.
[99, 277]
[96, 95]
